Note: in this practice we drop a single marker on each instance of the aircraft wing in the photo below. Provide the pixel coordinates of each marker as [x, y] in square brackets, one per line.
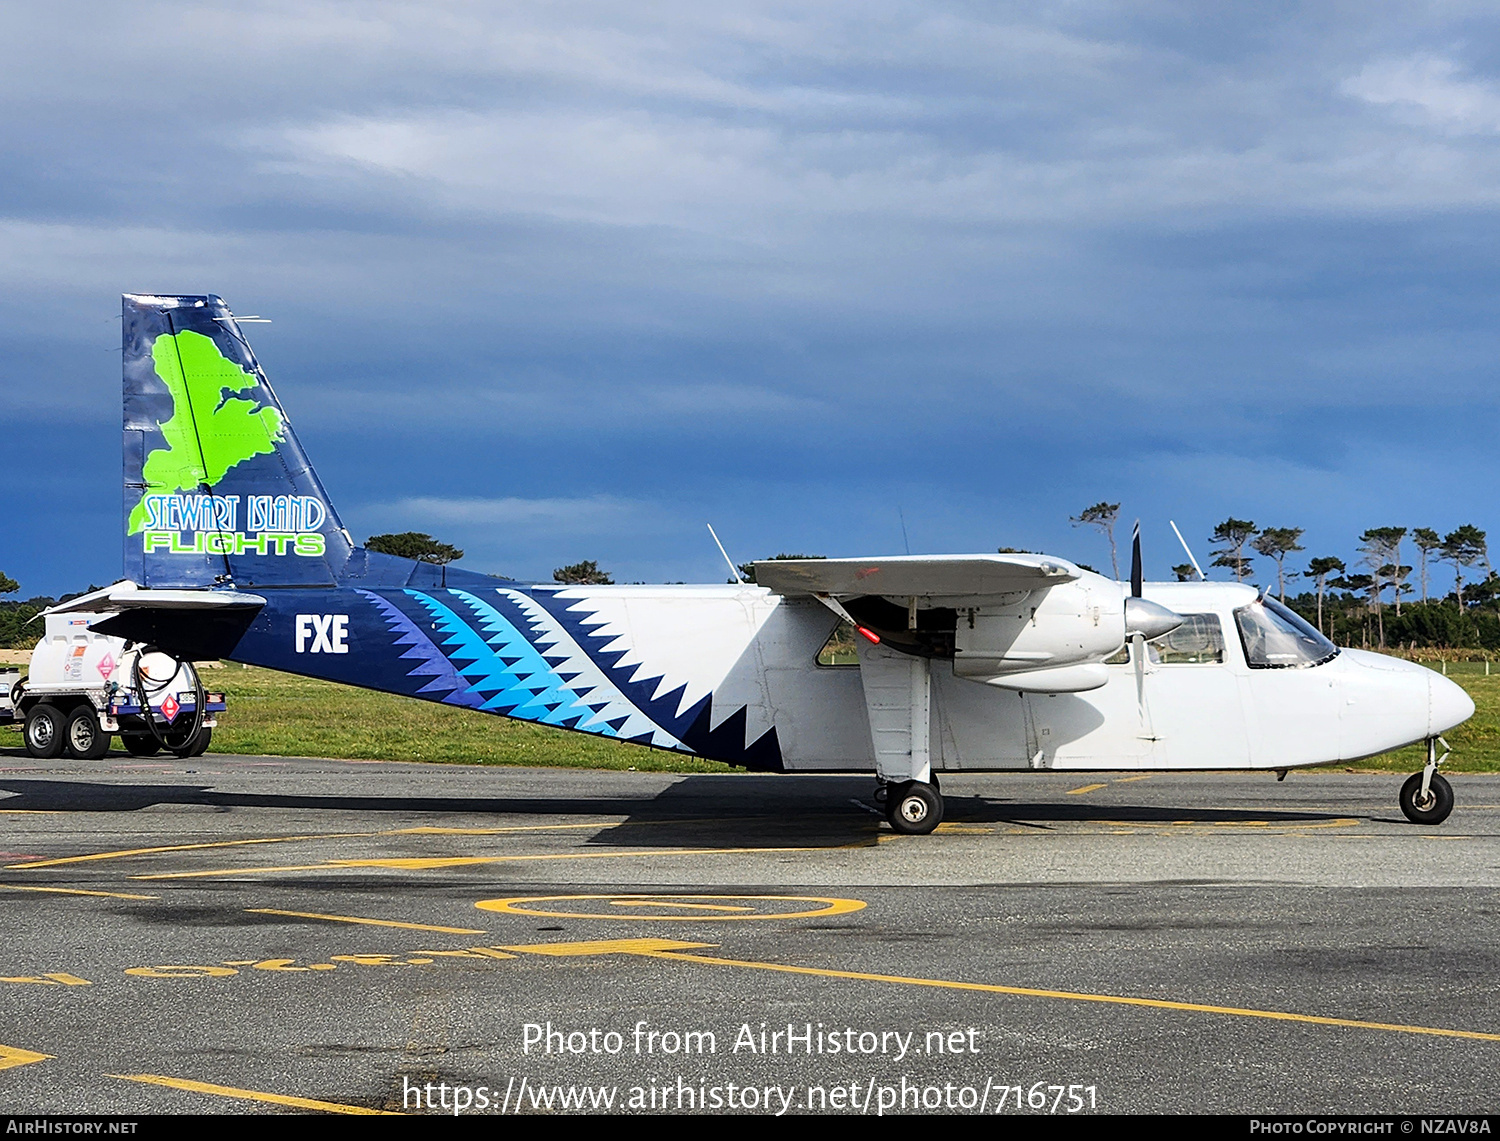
[925, 576]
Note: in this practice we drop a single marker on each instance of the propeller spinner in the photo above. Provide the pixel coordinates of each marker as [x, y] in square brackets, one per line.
[1144, 619]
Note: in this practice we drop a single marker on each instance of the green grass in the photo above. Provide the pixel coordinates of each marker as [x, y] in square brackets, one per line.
[1476, 743]
[279, 714]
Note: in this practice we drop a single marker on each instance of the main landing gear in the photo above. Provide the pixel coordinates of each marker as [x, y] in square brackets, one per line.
[913, 807]
[1426, 798]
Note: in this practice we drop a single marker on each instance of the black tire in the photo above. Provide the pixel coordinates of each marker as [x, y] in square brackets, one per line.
[44, 731]
[140, 744]
[197, 746]
[1439, 800]
[85, 737]
[914, 808]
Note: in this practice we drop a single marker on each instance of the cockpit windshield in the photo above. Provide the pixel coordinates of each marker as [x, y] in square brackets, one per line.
[1277, 639]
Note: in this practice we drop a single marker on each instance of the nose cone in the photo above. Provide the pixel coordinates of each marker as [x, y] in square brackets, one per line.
[1448, 704]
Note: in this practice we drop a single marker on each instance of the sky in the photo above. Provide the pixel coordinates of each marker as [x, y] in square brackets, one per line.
[557, 282]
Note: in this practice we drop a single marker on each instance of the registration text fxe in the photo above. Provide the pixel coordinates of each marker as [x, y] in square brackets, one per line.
[807, 1038]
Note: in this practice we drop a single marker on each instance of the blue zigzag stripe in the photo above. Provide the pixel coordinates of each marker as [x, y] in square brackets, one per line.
[431, 662]
[725, 743]
[504, 667]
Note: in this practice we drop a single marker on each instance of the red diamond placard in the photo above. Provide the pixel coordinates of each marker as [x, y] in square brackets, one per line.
[106, 666]
[170, 709]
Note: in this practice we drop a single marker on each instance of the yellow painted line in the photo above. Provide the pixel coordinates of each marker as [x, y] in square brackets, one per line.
[370, 922]
[1142, 776]
[29, 812]
[124, 852]
[75, 891]
[609, 947]
[428, 830]
[429, 864]
[832, 906]
[670, 903]
[52, 979]
[1076, 996]
[252, 1095]
[1085, 788]
[11, 1056]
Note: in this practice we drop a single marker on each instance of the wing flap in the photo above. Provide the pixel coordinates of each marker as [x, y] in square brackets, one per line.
[922, 576]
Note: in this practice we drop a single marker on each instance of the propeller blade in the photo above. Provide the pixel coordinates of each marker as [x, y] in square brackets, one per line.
[1136, 576]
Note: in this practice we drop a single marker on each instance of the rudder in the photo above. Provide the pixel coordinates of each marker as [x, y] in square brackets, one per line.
[217, 488]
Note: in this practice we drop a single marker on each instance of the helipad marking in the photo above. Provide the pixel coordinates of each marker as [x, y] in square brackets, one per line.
[609, 947]
[515, 905]
[252, 1095]
[12, 1056]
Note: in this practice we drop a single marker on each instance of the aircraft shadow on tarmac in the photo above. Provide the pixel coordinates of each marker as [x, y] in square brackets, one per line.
[694, 811]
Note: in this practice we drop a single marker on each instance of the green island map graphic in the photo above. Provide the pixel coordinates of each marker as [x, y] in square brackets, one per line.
[228, 431]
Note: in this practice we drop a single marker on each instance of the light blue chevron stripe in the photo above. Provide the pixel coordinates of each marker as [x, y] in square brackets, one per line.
[526, 688]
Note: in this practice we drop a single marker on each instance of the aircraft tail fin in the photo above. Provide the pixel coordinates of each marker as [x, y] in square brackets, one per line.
[217, 488]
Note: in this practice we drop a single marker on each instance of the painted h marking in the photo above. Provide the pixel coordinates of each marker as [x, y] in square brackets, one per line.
[329, 633]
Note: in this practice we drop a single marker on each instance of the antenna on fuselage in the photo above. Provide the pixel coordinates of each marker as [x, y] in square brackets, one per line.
[734, 570]
[1201, 576]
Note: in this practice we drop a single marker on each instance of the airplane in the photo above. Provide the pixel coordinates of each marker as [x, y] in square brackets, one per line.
[989, 662]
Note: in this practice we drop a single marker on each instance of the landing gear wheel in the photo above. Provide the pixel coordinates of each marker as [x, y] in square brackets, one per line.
[914, 808]
[140, 744]
[1435, 808]
[86, 739]
[197, 745]
[44, 731]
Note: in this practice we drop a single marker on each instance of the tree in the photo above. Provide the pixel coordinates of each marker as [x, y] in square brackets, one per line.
[1277, 543]
[1102, 516]
[1184, 572]
[414, 545]
[1319, 569]
[1463, 547]
[1427, 541]
[1382, 554]
[1232, 535]
[583, 574]
[8, 585]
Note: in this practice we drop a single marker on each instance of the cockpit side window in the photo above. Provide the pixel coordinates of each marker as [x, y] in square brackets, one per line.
[1198, 641]
[1277, 639]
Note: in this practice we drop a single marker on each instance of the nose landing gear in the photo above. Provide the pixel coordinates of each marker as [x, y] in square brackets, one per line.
[1426, 798]
[914, 807]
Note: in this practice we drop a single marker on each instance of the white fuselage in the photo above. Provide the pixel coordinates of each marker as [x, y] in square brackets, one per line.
[1192, 704]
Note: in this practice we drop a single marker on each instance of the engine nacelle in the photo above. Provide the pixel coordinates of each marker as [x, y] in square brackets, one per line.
[1069, 624]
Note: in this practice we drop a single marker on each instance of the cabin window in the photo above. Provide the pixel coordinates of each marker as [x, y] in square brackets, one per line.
[1277, 639]
[839, 649]
[1198, 641]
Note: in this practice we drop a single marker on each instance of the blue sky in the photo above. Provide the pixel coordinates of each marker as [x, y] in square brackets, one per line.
[562, 282]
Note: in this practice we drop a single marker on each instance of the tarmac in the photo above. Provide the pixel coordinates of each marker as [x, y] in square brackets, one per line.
[258, 934]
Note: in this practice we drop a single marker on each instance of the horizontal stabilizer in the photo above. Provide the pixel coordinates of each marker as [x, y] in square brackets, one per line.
[923, 576]
[127, 596]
